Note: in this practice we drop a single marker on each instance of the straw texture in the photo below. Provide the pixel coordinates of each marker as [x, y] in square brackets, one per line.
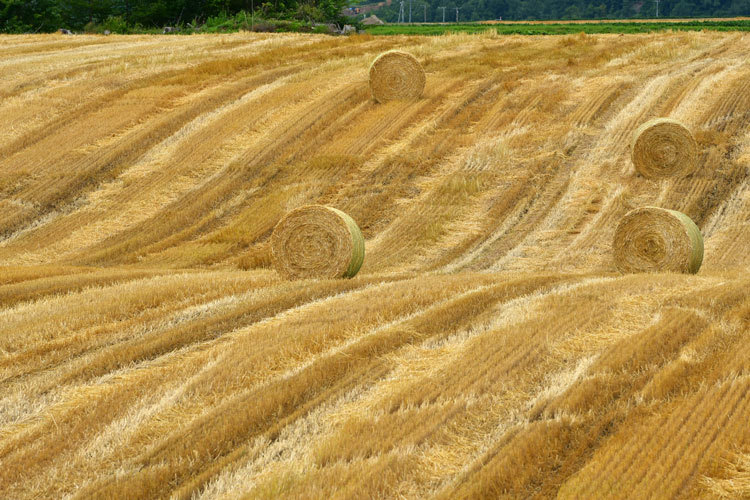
[652, 239]
[396, 75]
[316, 241]
[664, 148]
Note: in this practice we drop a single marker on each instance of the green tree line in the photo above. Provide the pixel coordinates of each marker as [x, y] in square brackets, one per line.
[24, 16]
[477, 10]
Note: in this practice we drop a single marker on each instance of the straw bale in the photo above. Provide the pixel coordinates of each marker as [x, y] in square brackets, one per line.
[652, 239]
[316, 241]
[664, 148]
[396, 75]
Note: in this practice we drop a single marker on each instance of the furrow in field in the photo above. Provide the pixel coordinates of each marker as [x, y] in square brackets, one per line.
[65, 413]
[619, 466]
[340, 370]
[379, 422]
[171, 171]
[570, 434]
[103, 163]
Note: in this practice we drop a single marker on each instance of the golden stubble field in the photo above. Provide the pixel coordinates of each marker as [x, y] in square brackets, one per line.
[487, 348]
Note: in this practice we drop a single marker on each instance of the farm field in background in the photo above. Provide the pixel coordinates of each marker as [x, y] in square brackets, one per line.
[487, 347]
[632, 20]
[627, 26]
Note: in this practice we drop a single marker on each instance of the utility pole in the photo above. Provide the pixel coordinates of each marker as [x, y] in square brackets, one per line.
[443, 12]
[456, 14]
[657, 7]
[409, 11]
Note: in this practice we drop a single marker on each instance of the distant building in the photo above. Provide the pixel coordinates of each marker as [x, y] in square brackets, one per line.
[372, 20]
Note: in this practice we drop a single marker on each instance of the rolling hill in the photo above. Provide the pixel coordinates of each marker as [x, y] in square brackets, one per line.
[488, 347]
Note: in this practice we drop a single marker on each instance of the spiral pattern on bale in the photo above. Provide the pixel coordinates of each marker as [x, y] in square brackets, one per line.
[664, 148]
[652, 239]
[396, 75]
[316, 241]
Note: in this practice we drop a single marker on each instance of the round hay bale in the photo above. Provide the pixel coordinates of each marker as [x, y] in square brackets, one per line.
[652, 239]
[316, 241]
[664, 148]
[396, 75]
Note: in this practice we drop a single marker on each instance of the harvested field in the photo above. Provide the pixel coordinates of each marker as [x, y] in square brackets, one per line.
[488, 347]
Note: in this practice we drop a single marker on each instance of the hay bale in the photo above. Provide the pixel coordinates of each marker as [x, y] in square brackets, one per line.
[396, 75]
[652, 239]
[316, 241]
[664, 148]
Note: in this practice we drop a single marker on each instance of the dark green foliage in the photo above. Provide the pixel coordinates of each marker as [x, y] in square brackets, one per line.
[475, 10]
[122, 16]
[19, 16]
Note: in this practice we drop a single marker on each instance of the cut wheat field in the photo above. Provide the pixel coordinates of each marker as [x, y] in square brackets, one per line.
[488, 348]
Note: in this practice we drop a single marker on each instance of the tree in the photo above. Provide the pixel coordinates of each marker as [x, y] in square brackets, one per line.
[684, 8]
[572, 12]
[19, 16]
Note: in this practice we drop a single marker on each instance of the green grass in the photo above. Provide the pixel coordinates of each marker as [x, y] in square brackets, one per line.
[561, 28]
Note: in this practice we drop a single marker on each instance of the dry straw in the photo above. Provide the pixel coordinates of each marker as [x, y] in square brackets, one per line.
[664, 148]
[396, 75]
[316, 241]
[652, 239]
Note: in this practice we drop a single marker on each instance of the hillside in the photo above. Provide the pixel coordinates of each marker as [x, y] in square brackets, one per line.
[488, 347]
